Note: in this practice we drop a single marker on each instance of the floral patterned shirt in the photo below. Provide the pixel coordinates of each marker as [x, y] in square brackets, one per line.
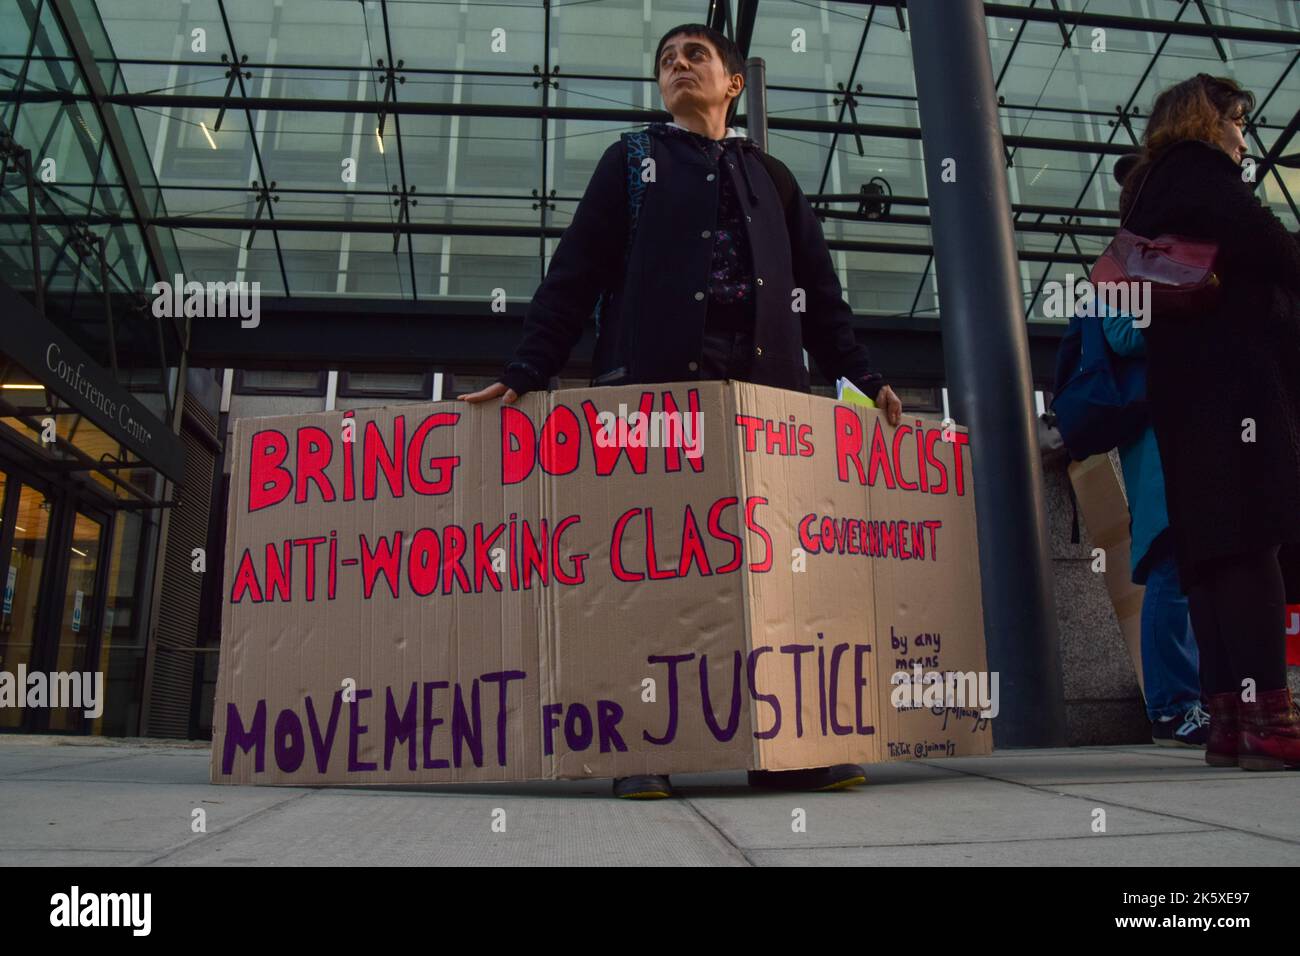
[731, 277]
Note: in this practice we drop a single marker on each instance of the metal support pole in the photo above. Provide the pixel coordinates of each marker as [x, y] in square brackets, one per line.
[756, 100]
[101, 253]
[986, 352]
[24, 160]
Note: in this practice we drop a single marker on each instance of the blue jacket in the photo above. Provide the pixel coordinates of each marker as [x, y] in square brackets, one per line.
[652, 329]
[1144, 479]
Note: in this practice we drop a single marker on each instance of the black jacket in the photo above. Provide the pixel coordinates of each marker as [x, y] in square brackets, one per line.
[652, 328]
[1208, 373]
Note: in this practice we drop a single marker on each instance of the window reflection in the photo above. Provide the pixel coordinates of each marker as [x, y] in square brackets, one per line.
[22, 587]
[75, 633]
[121, 649]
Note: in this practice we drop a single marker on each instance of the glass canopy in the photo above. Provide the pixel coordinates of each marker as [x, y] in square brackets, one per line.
[399, 148]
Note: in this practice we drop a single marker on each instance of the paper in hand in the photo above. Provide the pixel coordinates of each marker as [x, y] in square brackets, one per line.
[846, 391]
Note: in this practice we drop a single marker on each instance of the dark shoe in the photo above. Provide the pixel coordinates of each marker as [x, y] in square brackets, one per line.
[1190, 730]
[840, 777]
[645, 786]
[1270, 732]
[1221, 744]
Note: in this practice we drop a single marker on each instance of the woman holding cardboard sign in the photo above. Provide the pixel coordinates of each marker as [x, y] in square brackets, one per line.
[1224, 388]
[703, 260]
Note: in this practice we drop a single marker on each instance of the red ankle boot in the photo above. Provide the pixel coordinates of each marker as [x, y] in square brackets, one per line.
[1270, 732]
[1221, 745]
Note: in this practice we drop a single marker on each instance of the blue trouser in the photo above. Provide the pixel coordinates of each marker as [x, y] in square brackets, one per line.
[1169, 657]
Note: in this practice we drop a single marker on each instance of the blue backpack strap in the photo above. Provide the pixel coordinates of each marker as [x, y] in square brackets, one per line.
[636, 148]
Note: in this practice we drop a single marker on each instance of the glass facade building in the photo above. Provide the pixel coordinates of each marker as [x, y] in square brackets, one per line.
[382, 169]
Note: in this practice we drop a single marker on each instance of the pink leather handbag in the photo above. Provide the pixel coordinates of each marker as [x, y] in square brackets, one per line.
[1181, 270]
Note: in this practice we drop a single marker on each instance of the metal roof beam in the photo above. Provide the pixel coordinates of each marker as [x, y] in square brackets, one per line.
[1008, 11]
[630, 116]
[266, 182]
[746, 15]
[98, 94]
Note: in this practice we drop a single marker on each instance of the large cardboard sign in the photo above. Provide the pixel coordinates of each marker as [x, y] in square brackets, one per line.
[1098, 486]
[593, 583]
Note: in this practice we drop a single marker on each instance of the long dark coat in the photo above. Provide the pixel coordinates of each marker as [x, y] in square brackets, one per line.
[1211, 376]
[653, 328]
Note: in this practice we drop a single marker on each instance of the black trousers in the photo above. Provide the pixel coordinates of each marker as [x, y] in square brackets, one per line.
[1238, 609]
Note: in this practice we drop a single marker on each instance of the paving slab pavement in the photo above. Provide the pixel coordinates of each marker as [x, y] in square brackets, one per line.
[97, 801]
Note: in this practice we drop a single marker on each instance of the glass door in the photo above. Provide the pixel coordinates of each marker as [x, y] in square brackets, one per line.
[25, 536]
[50, 568]
[73, 619]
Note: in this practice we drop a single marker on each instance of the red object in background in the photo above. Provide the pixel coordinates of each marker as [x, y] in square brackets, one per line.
[1293, 634]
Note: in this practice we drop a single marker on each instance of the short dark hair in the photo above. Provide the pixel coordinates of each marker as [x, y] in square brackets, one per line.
[732, 60]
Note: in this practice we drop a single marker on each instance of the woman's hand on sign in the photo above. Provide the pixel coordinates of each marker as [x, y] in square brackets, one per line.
[890, 404]
[495, 390]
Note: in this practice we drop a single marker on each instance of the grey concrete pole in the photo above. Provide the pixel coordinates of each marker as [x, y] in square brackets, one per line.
[986, 352]
[756, 100]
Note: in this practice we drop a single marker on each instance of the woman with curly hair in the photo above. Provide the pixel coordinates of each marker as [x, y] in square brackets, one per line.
[1224, 390]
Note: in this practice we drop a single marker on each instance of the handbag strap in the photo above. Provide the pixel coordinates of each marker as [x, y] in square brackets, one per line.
[1138, 195]
[1145, 176]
